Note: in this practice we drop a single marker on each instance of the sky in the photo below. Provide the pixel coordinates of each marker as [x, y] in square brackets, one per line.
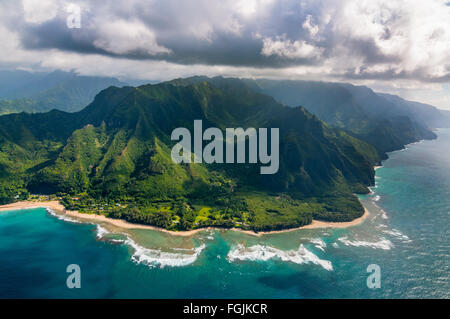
[394, 46]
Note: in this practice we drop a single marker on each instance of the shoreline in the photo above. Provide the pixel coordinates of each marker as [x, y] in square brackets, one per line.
[120, 223]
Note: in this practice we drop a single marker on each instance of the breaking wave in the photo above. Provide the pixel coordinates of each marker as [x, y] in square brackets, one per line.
[159, 258]
[147, 256]
[62, 217]
[383, 243]
[209, 235]
[101, 232]
[397, 234]
[383, 212]
[264, 253]
[319, 243]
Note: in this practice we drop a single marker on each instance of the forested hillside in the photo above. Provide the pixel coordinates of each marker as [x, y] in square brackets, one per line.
[114, 157]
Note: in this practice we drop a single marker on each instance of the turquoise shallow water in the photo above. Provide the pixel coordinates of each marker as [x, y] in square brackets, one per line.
[406, 235]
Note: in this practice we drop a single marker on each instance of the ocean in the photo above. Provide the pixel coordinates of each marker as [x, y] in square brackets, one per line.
[406, 235]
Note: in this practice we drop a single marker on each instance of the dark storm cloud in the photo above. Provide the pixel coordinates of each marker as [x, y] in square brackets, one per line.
[55, 34]
[220, 45]
[350, 39]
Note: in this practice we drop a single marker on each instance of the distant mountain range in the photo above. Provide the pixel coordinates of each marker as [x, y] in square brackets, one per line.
[22, 91]
[385, 121]
[114, 155]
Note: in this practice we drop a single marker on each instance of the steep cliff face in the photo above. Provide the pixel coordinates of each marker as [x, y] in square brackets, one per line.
[118, 148]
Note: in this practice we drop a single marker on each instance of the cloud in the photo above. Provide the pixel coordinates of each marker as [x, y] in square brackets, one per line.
[409, 39]
[340, 40]
[284, 48]
[127, 37]
[309, 25]
[38, 11]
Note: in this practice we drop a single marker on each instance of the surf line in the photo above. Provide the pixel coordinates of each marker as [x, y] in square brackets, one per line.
[213, 152]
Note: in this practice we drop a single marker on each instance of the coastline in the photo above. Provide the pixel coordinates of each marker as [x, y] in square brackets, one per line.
[31, 204]
[321, 224]
[58, 207]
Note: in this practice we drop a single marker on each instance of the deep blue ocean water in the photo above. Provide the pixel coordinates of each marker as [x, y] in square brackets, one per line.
[406, 235]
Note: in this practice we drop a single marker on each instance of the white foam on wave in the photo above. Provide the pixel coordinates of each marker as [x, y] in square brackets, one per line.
[159, 258]
[101, 231]
[209, 235]
[383, 212]
[150, 257]
[319, 243]
[264, 253]
[377, 198]
[397, 234]
[383, 243]
[113, 240]
[62, 217]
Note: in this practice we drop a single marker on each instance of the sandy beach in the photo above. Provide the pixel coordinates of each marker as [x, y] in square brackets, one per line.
[59, 208]
[314, 225]
[55, 205]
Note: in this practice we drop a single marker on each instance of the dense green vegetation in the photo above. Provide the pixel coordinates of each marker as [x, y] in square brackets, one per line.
[113, 157]
[387, 122]
[18, 105]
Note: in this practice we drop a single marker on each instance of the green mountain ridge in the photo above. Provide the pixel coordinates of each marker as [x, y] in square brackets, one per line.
[386, 122]
[42, 92]
[114, 156]
[382, 121]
